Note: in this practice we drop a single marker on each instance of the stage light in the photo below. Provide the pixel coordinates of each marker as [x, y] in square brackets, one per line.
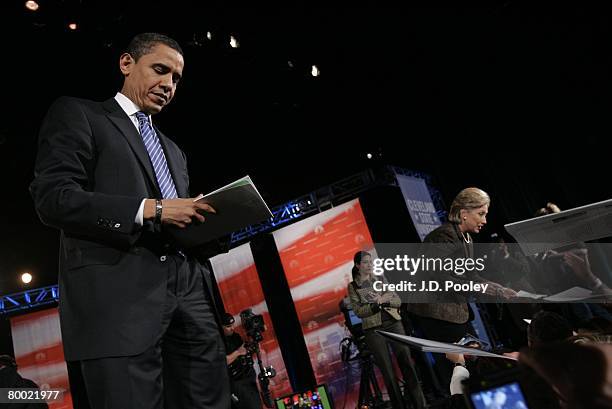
[369, 156]
[209, 35]
[26, 278]
[315, 71]
[72, 26]
[31, 5]
[234, 42]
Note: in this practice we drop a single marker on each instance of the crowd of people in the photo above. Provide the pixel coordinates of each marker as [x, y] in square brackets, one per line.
[556, 335]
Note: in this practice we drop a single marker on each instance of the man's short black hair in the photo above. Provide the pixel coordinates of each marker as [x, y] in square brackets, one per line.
[142, 44]
[548, 327]
[227, 319]
[7, 360]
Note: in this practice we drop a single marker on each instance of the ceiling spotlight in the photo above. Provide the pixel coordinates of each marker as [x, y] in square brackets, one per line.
[209, 35]
[72, 26]
[31, 5]
[369, 156]
[315, 71]
[26, 278]
[234, 42]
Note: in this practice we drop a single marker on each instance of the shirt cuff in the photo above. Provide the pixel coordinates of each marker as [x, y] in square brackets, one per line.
[140, 215]
[459, 374]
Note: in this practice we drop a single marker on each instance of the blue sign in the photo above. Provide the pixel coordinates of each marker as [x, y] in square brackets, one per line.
[419, 203]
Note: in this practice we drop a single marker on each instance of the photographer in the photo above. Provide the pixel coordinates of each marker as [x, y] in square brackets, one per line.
[242, 375]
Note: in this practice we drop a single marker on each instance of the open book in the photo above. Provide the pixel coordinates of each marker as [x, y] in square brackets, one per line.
[238, 205]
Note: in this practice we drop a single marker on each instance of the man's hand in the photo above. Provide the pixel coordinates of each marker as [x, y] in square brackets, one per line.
[455, 358]
[578, 261]
[513, 355]
[500, 291]
[508, 293]
[230, 358]
[178, 212]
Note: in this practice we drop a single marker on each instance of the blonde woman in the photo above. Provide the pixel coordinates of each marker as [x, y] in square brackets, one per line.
[448, 322]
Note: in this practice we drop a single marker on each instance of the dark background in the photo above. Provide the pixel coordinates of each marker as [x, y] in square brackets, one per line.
[512, 97]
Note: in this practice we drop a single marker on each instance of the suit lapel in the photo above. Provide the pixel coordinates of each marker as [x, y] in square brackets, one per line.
[118, 117]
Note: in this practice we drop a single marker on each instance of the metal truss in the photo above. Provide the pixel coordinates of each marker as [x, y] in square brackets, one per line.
[315, 202]
[29, 299]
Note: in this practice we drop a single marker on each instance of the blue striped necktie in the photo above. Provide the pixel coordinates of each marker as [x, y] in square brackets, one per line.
[156, 154]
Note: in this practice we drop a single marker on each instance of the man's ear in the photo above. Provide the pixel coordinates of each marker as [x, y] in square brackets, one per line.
[126, 62]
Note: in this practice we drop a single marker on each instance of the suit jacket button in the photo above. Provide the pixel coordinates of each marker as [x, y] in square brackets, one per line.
[162, 258]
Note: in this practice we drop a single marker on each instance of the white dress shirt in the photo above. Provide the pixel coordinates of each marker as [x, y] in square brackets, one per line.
[130, 109]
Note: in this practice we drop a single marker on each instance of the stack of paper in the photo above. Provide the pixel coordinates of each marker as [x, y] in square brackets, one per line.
[238, 205]
[439, 347]
[573, 294]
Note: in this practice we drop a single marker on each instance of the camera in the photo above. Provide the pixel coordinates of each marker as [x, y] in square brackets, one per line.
[253, 324]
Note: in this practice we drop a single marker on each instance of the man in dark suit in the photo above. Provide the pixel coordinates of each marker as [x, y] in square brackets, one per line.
[113, 183]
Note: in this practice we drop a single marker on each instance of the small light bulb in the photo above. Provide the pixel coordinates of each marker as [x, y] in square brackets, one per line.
[31, 5]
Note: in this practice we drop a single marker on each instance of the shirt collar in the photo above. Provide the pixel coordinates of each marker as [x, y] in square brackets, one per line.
[129, 107]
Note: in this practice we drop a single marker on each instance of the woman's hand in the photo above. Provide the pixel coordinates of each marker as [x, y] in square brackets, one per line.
[386, 297]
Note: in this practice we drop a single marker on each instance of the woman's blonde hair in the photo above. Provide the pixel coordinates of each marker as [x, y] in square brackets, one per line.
[468, 199]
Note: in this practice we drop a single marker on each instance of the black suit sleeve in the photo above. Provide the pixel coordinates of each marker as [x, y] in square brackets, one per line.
[442, 235]
[64, 180]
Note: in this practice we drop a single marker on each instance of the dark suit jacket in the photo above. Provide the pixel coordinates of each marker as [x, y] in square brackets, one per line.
[451, 244]
[92, 172]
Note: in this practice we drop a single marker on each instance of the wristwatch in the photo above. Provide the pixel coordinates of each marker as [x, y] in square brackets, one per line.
[158, 211]
[460, 364]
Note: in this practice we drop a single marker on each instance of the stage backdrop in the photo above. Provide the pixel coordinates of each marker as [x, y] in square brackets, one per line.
[37, 343]
[239, 286]
[317, 256]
